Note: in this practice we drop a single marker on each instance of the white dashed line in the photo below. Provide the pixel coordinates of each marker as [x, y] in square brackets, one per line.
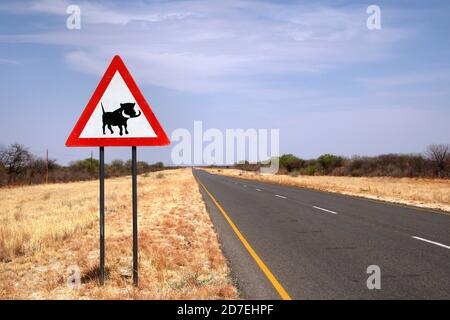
[245, 186]
[319, 208]
[432, 242]
[258, 189]
[282, 197]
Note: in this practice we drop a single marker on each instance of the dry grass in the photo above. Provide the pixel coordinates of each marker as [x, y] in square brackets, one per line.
[46, 229]
[427, 193]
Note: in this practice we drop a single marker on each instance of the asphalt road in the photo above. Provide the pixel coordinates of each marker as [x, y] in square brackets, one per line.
[318, 245]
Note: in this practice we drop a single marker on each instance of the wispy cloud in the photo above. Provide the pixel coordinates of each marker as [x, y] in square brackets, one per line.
[9, 61]
[407, 79]
[199, 46]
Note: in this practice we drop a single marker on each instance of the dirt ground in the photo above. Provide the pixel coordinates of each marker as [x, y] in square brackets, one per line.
[50, 232]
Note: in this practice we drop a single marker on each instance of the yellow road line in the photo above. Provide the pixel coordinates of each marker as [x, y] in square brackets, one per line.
[276, 284]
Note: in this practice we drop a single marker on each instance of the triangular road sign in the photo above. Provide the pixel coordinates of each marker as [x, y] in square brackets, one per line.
[117, 114]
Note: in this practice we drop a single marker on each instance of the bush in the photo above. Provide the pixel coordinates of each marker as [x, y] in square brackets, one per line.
[116, 168]
[19, 166]
[328, 162]
[311, 170]
[3, 175]
[294, 174]
[434, 163]
[15, 159]
[291, 162]
[341, 171]
[439, 155]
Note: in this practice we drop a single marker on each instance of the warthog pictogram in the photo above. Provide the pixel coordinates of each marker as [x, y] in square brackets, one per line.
[119, 117]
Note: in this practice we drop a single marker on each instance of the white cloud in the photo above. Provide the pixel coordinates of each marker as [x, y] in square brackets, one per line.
[214, 46]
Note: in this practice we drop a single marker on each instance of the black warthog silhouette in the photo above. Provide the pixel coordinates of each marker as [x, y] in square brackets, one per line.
[119, 117]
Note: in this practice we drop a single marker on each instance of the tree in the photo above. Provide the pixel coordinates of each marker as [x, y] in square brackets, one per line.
[37, 168]
[329, 161]
[291, 162]
[440, 155]
[15, 159]
[117, 167]
[142, 167]
[159, 165]
[84, 169]
[88, 164]
[3, 175]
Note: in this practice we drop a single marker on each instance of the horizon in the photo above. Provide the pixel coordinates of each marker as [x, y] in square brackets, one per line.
[355, 156]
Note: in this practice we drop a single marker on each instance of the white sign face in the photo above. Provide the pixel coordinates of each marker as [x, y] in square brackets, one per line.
[117, 115]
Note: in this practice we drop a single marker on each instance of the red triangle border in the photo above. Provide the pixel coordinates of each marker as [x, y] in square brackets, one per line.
[74, 139]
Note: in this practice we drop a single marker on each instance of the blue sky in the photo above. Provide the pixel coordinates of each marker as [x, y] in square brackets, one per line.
[311, 69]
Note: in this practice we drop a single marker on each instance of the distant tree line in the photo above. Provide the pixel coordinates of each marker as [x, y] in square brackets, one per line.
[433, 163]
[19, 166]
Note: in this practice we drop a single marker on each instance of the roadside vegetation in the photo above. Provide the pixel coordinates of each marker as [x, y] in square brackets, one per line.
[18, 166]
[45, 229]
[414, 179]
[433, 163]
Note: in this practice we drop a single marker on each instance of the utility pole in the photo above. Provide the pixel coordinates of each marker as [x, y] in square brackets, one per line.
[46, 169]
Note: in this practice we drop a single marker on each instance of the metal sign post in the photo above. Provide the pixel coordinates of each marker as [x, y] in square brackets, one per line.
[102, 216]
[135, 224]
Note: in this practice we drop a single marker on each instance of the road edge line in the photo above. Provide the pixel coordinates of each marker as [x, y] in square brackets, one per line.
[275, 283]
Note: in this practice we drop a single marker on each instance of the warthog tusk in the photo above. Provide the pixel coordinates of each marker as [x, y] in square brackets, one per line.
[125, 115]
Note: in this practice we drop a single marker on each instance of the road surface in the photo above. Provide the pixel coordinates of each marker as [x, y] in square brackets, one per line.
[287, 242]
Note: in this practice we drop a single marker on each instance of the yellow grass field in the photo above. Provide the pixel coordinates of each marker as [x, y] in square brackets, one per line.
[46, 229]
[426, 193]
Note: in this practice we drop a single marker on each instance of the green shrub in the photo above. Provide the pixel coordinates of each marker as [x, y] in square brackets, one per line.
[328, 162]
[311, 170]
[291, 162]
